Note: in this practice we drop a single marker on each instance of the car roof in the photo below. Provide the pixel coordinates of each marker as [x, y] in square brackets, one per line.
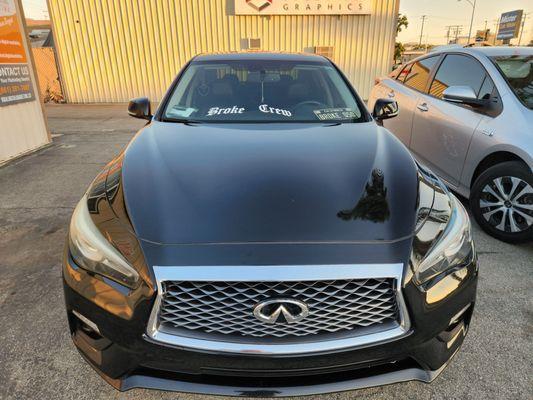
[488, 51]
[503, 50]
[260, 55]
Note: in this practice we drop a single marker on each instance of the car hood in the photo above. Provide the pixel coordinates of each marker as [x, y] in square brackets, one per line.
[254, 183]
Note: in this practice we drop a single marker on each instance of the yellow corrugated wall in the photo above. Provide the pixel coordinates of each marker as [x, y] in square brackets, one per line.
[113, 50]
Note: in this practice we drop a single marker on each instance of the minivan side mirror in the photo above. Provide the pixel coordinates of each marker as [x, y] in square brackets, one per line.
[462, 95]
[385, 109]
[140, 108]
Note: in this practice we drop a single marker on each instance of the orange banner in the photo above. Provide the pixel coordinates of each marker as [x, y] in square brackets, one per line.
[11, 44]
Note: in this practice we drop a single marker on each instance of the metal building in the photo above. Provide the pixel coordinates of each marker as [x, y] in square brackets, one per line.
[113, 50]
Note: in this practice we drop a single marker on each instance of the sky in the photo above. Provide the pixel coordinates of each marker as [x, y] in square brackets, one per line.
[440, 13]
[36, 9]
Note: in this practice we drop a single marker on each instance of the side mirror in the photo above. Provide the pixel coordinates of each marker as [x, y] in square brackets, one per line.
[385, 109]
[462, 95]
[140, 108]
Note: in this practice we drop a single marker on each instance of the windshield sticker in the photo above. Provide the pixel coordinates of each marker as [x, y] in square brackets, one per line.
[179, 111]
[203, 90]
[265, 108]
[335, 113]
[229, 110]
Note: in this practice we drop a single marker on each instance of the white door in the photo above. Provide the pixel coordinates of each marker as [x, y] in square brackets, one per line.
[406, 90]
[442, 131]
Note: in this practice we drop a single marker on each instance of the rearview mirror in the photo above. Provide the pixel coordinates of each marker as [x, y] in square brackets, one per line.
[462, 95]
[140, 108]
[385, 109]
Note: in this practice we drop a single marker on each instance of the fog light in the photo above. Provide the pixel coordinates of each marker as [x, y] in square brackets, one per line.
[87, 325]
[456, 329]
[458, 316]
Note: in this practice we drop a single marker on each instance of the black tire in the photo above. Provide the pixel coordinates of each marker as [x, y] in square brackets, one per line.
[492, 223]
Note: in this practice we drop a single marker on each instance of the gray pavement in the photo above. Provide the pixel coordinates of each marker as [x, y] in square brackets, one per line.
[38, 360]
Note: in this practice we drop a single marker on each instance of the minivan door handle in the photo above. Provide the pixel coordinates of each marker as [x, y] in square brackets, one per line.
[422, 107]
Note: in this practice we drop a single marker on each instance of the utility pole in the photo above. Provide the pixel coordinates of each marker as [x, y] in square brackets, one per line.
[522, 27]
[422, 30]
[458, 30]
[473, 4]
[455, 30]
[496, 29]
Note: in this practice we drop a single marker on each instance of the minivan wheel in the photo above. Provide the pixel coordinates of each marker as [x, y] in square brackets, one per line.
[501, 200]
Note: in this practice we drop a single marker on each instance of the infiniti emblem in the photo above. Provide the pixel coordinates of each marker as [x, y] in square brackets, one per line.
[276, 310]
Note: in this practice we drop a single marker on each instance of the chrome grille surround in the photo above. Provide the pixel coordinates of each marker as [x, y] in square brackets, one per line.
[210, 308]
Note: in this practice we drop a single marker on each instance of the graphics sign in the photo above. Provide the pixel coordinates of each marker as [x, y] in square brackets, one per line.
[302, 7]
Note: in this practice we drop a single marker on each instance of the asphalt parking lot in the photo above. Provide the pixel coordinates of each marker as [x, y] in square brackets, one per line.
[38, 360]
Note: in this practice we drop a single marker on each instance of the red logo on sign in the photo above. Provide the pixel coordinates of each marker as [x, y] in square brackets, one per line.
[259, 4]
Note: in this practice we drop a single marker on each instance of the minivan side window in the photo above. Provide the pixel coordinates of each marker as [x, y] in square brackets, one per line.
[418, 75]
[404, 72]
[457, 70]
[487, 88]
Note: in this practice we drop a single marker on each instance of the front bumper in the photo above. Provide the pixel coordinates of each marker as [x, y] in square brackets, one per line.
[127, 358]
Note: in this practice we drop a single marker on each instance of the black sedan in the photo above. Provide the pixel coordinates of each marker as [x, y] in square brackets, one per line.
[264, 235]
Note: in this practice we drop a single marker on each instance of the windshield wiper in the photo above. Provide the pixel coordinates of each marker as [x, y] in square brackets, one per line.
[180, 120]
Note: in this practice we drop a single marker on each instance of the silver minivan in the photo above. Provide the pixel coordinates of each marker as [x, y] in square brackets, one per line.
[467, 114]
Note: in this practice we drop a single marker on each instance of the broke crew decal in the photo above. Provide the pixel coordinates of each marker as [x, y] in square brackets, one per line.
[264, 108]
[229, 110]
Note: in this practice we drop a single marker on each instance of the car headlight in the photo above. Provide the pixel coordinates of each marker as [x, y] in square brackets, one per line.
[446, 244]
[93, 252]
[453, 248]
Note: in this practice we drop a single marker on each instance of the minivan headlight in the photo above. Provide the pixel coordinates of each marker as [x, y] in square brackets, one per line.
[93, 252]
[453, 247]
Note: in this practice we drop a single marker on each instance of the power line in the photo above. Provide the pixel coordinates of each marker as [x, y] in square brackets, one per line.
[496, 29]
[422, 29]
[453, 30]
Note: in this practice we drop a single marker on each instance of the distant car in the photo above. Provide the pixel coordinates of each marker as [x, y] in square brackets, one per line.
[262, 235]
[467, 114]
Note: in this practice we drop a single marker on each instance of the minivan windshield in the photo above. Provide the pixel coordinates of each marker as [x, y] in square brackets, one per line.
[262, 91]
[518, 72]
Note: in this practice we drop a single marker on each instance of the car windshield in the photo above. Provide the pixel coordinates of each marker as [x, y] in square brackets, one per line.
[262, 91]
[518, 71]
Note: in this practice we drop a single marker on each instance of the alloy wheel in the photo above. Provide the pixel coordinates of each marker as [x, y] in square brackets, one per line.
[506, 203]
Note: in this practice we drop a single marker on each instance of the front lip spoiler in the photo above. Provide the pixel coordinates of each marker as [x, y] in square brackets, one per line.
[405, 375]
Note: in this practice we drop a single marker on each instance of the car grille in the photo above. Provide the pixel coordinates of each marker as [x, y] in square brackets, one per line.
[226, 308]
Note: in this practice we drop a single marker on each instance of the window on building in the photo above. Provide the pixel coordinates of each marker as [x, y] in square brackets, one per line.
[418, 74]
[457, 70]
[254, 43]
[326, 51]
